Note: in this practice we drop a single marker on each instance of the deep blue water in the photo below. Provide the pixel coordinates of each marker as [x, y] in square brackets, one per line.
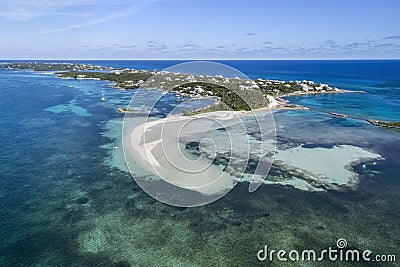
[58, 193]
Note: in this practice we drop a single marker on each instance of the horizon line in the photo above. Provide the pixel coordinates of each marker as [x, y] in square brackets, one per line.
[206, 59]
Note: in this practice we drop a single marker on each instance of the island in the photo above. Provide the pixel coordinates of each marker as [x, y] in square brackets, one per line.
[237, 94]
[50, 66]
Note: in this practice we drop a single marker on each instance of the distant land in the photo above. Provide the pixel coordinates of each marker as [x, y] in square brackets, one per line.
[231, 93]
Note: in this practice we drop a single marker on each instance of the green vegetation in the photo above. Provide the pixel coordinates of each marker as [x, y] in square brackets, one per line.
[228, 99]
[42, 66]
[126, 80]
[278, 89]
[220, 106]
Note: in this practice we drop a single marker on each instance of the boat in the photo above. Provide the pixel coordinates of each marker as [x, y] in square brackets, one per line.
[102, 95]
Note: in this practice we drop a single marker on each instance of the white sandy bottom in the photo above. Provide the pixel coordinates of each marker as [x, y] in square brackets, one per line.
[71, 106]
[154, 152]
[324, 167]
[156, 148]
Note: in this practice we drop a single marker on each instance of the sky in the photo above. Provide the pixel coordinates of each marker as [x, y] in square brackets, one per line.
[199, 29]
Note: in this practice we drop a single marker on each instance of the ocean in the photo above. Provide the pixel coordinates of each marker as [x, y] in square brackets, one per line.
[66, 198]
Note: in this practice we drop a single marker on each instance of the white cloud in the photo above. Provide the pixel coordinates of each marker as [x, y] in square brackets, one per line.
[83, 13]
[25, 10]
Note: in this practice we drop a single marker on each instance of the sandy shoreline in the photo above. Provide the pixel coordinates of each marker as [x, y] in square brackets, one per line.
[279, 102]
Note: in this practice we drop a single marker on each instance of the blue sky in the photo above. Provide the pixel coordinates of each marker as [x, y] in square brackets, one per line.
[199, 29]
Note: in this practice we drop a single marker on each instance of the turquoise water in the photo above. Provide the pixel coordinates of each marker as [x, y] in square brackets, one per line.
[64, 201]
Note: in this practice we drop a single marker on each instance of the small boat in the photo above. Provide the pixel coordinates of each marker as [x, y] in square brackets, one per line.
[102, 95]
